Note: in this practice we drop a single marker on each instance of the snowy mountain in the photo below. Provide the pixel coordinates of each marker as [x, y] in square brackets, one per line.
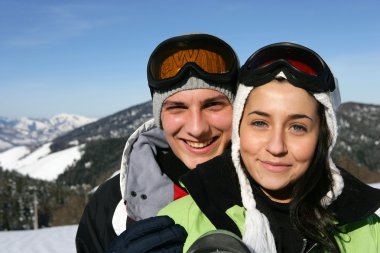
[32, 132]
[41, 163]
[357, 148]
[48, 158]
[75, 162]
[118, 125]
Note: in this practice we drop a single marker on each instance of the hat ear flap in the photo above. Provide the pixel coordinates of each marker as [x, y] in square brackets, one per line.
[257, 234]
[337, 181]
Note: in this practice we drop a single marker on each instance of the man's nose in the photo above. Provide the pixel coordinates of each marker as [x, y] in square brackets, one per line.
[197, 124]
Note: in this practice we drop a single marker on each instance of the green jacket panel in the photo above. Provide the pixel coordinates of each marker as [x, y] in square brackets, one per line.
[361, 236]
[186, 212]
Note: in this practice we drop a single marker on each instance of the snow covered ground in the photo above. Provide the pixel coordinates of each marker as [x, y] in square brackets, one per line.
[46, 240]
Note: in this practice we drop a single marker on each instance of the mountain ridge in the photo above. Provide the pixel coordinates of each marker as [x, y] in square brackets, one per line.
[118, 125]
[357, 150]
[358, 139]
[33, 132]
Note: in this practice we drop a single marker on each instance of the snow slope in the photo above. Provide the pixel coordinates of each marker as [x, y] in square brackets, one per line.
[9, 157]
[40, 164]
[46, 240]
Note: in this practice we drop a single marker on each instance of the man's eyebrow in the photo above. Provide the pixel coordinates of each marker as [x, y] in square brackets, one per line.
[173, 103]
[216, 98]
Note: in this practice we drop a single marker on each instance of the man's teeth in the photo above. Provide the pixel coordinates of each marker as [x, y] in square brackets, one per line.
[198, 144]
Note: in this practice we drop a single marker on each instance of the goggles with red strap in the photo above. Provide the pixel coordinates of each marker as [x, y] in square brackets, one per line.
[302, 67]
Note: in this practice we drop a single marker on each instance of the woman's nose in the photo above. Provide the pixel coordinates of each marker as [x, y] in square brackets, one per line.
[276, 144]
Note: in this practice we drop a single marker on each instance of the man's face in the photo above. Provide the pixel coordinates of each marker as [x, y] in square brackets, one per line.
[197, 124]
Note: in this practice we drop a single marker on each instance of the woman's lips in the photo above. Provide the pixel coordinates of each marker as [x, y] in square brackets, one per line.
[275, 167]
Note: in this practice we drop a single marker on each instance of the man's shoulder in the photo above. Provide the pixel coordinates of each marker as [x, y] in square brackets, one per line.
[109, 191]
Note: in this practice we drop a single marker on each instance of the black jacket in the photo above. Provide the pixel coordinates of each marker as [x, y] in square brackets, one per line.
[95, 231]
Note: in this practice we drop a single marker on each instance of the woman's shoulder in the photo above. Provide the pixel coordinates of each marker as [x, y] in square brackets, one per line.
[360, 236]
[357, 201]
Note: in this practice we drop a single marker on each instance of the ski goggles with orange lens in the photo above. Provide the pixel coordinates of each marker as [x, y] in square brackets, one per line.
[200, 55]
[302, 67]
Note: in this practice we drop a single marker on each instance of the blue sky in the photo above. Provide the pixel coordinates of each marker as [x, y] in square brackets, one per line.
[88, 57]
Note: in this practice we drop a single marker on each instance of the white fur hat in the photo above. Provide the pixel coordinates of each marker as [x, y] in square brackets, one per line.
[257, 234]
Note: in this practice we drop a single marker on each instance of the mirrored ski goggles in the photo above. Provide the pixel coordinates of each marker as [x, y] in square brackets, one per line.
[200, 55]
[302, 67]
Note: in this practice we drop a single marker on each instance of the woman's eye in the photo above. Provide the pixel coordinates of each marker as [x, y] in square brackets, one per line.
[299, 128]
[259, 124]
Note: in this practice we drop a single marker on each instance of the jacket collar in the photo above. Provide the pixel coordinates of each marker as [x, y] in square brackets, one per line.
[357, 201]
[212, 185]
[172, 166]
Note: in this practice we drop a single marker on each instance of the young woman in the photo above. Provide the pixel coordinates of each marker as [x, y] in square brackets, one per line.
[288, 195]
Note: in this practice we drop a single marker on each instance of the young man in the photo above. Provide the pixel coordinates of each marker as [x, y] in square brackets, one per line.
[193, 80]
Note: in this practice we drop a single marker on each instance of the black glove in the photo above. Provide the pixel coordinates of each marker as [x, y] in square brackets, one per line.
[154, 235]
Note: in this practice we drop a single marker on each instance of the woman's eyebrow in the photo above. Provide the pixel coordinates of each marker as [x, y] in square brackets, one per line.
[259, 113]
[299, 116]
[291, 116]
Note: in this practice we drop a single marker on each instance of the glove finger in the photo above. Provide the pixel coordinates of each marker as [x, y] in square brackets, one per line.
[146, 226]
[175, 248]
[160, 239]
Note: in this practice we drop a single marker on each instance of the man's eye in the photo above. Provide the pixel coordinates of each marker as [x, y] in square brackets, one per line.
[215, 105]
[175, 107]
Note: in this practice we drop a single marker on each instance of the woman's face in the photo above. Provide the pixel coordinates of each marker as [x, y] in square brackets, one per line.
[278, 136]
